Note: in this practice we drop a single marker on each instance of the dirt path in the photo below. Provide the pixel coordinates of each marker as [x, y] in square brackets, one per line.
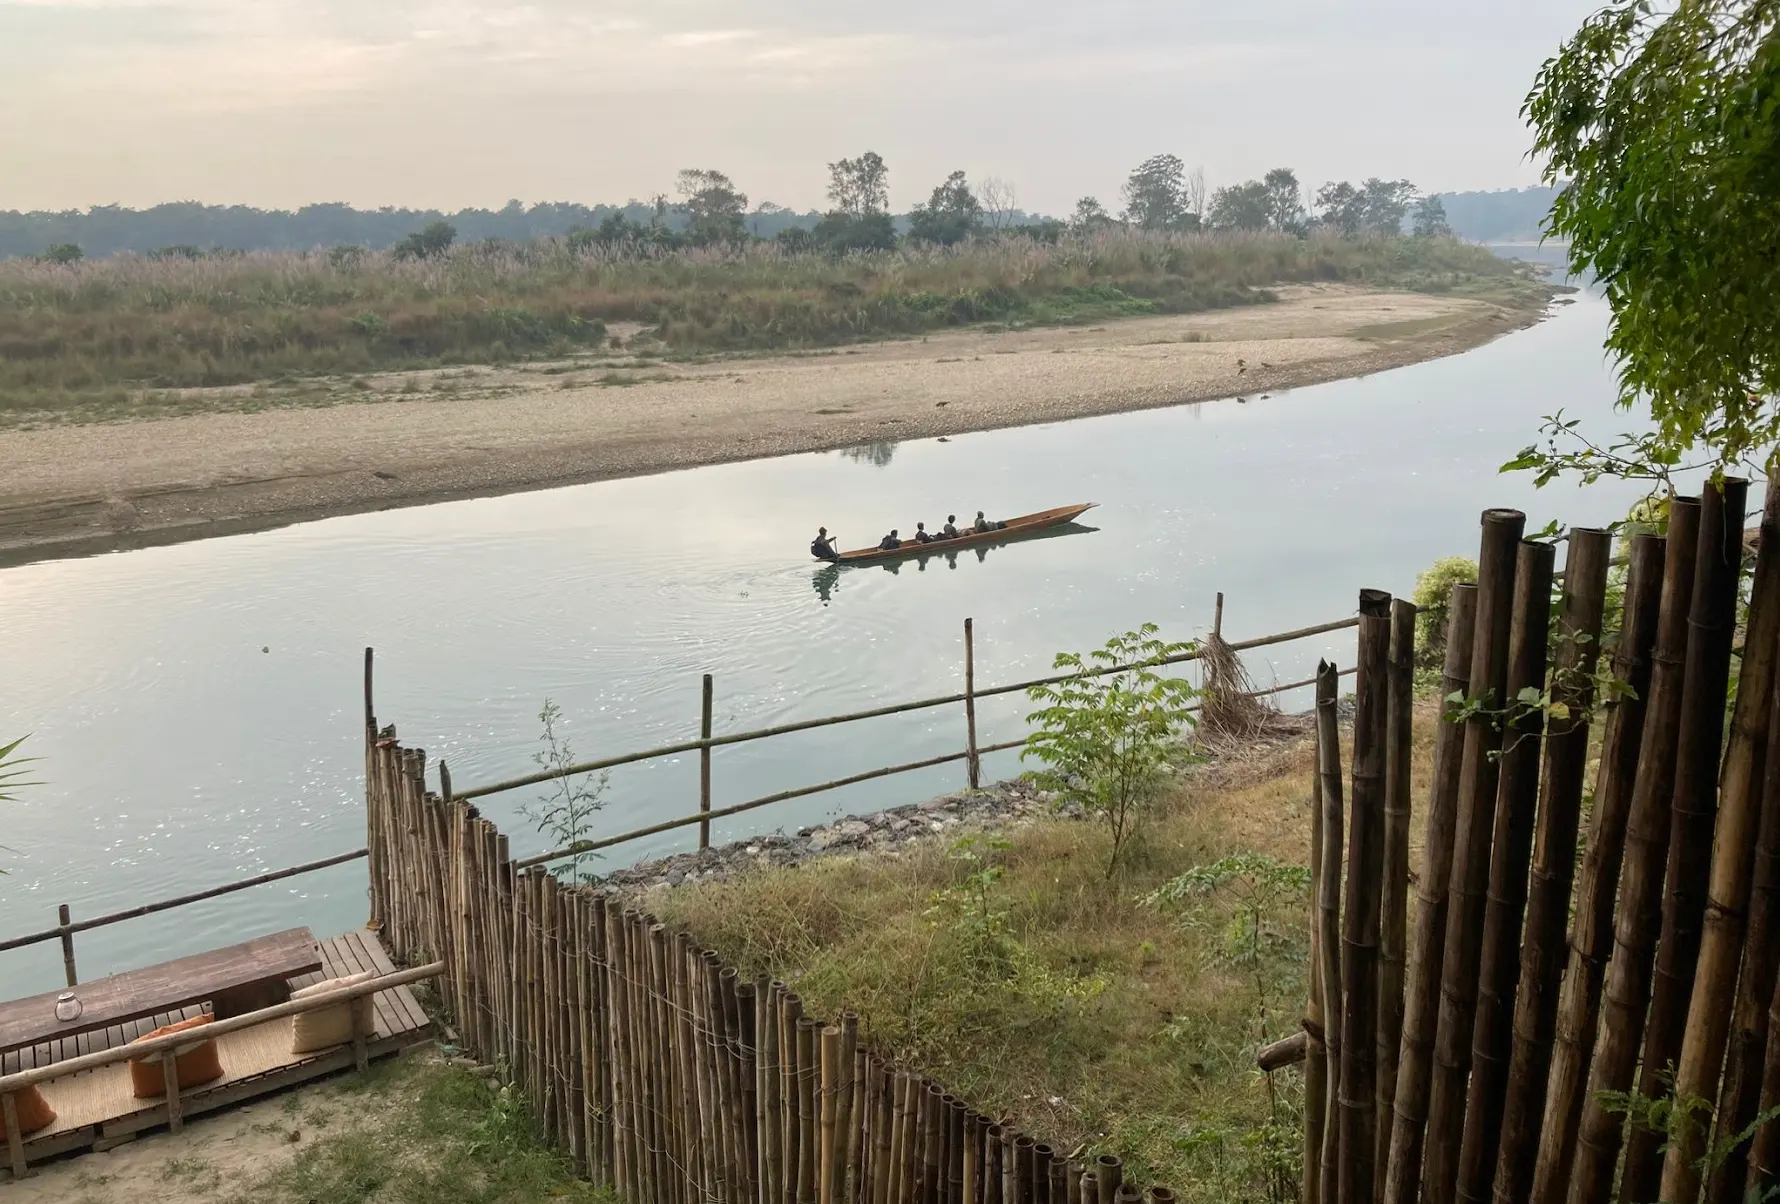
[424, 437]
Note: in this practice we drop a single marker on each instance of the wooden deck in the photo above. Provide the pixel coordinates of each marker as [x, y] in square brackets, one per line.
[96, 1107]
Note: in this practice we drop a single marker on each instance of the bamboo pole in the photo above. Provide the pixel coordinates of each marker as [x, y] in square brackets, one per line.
[1764, 1150]
[883, 1131]
[1703, 698]
[1597, 883]
[63, 921]
[807, 1072]
[1517, 802]
[970, 705]
[1393, 935]
[831, 1064]
[1580, 619]
[1732, 864]
[1108, 1175]
[1316, 1065]
[1328, 748]
[1421, 1005]
[849, 1107]
[1740, 1099]
[1475, 824]
[1639, 915]
[1362, 902]
[704, 766]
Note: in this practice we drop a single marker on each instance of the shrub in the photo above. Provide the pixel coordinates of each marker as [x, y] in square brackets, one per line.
[1433, 598]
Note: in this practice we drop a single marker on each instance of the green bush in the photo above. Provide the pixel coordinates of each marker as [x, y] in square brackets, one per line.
[1433, 598]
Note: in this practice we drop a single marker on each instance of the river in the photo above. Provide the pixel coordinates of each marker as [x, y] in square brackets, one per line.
[196, 708]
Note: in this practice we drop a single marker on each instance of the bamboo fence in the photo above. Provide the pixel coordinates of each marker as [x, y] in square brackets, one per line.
[659, 1070]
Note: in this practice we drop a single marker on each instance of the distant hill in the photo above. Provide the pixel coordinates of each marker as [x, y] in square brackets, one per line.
[1508, 215]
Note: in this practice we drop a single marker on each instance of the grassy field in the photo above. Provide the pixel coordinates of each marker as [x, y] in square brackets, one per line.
[76, 337]
[1077, 1005]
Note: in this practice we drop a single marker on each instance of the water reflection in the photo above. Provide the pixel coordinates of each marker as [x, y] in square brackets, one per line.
[826, 580]
[877, 454]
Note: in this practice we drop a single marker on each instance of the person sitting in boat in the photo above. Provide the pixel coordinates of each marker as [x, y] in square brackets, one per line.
[982, 524]
[921, 535]
[821, 547]
[890, 542]
[950, 530]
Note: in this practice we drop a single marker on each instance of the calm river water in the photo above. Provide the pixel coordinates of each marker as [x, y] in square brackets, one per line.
[196, 708]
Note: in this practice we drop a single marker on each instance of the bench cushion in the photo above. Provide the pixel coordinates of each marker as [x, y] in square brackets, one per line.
[34, 1112]
[193, 1064]
[326, 1027]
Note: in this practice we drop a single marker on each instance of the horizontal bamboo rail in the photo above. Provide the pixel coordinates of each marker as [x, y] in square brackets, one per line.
[147, 909]
[804, 725]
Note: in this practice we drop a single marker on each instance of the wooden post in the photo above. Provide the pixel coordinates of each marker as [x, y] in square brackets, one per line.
[1422, 1003]
[370, 710]
[970, 706]
[170, 1079]
[1626, 992]
[1597, 883]
[15, 1140]
[1711, 631]
[1316, 1066]
[1361, 903]
[704, 767]
[1554, 858]
[1217, 618]
[1328, 756]
[63, 919]
[1478, 774]
[1393, 916]
[1517, 804]
[1733, 848]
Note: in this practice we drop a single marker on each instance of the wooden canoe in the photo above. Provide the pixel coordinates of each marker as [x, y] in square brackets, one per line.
[1026, 524]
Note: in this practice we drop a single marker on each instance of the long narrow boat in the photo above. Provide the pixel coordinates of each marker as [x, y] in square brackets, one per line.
[1026, 524]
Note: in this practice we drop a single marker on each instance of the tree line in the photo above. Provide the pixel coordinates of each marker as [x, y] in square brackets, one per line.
[708, 208]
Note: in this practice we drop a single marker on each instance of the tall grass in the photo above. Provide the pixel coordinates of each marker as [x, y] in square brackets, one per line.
[70, 334]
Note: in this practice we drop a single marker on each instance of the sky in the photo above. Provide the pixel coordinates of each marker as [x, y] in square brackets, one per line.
[452, 103]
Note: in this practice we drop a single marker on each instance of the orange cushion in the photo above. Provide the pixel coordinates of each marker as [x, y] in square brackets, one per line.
[193, 1064]
[34, 1113]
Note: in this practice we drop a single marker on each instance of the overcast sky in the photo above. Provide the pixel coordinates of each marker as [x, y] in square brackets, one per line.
[449, 103]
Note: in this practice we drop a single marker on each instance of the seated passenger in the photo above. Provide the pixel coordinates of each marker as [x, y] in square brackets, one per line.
[921, 535]
[821, 547]
[982, 524]
[950, 531]
[890, 542]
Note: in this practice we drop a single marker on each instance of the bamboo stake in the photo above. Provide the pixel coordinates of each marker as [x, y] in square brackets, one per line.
[1108, 1174]
[1421, 1006]
[1732, 865]
[1316, 1066]
[957, 1139]
[1703, 695]
[807, 1109]
[831, 1059]
[1393, 935]
[704, 766]
[970, 705]
[849, 1106]
[1360, 910]
[1639, 914]
[1478, 775]
[1764, 1150]
[1582, 612]
[1591, 934]
[1740, 1099]
[1328, 748]
[1517, 802]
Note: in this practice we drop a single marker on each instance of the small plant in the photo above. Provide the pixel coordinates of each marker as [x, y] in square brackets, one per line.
[12, 774]
[1263, 930]
[1433, 599]
[972, 909]
[1106, 732]
[566, 813]
[64, 253]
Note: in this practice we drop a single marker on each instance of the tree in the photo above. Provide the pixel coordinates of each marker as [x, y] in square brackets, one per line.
[859, 188]
[1000, 203]
[951, 215]
[432, 240]
[1155, 193]
[713, 207]
[1661, 129]
[1430, 219]
[1196, 196]
[64, 252]
[1107, 732]
[1285, 200]
[1242, 207]
[1089, 215]
[1341, 208]
[1375, 207]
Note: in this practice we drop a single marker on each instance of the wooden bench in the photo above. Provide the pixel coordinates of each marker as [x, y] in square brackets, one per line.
[239, 979]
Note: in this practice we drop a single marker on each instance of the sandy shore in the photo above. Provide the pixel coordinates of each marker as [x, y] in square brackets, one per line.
[424, 437]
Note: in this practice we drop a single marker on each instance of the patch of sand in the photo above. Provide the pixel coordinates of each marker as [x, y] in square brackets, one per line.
[425, 437]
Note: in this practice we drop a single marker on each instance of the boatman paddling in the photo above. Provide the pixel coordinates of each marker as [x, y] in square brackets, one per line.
[821, 547]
